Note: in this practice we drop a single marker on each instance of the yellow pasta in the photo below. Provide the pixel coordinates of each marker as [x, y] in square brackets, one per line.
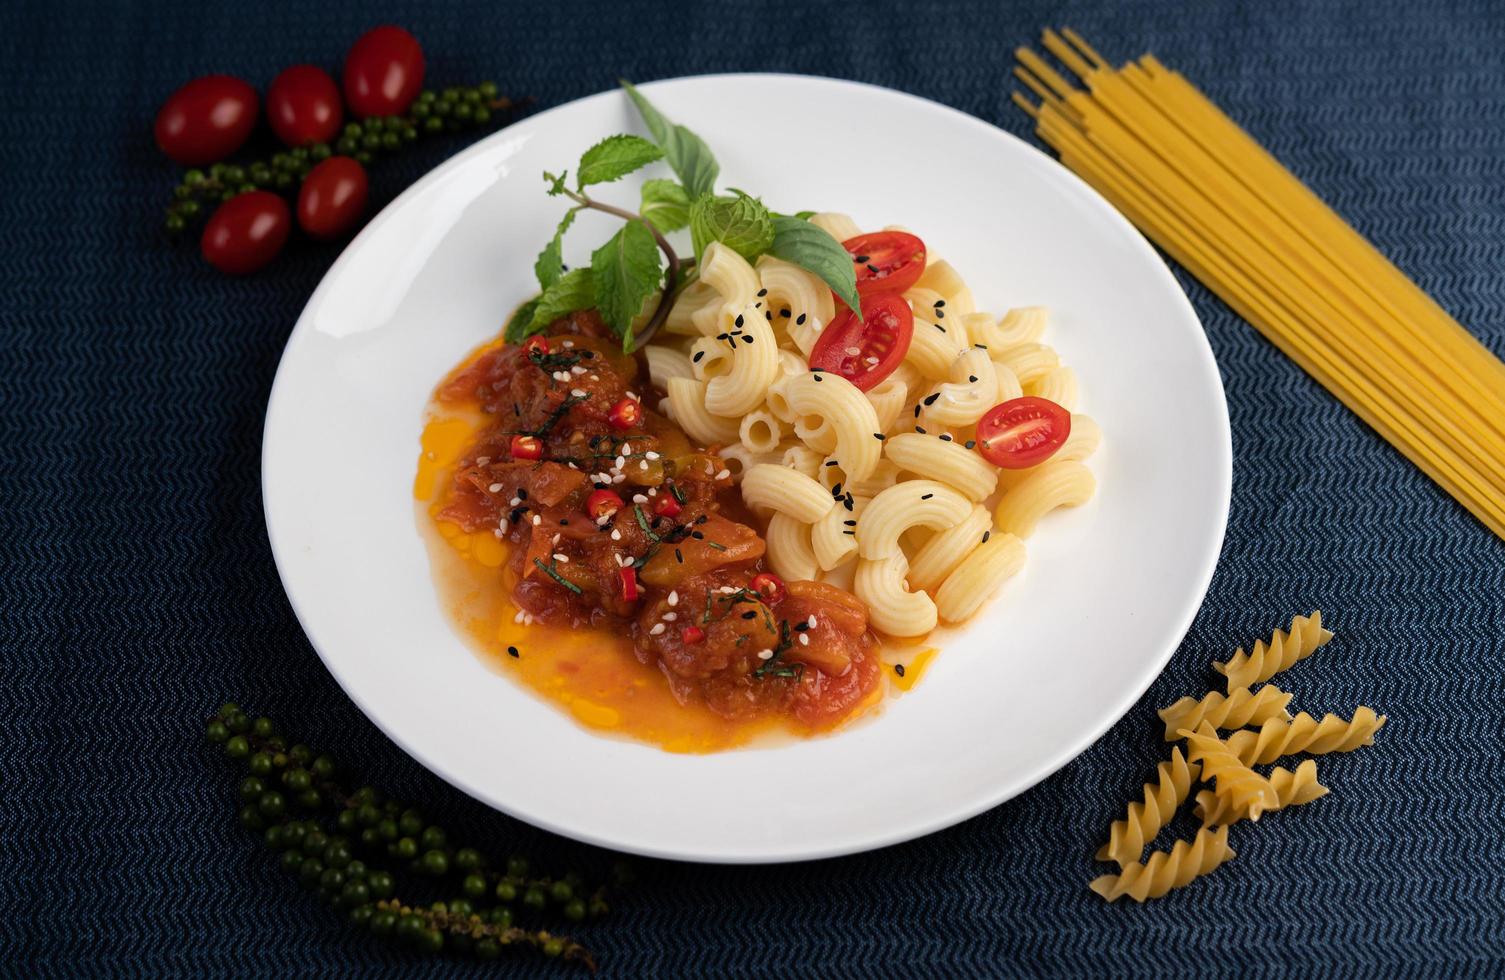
[1058, 385]
[889, 398]
[791, 288]
[825, 400]
[1029, 361]
[1234, 711]
[755, 366]
[940, 277]
[978, 577]
[914, 503]
[687, 407]
[1285, 648]
[939, 556]
[884, 475]
[1054, 483]
[945, 460]
[1304, 733]
[730, 276]
[1017, 326]
[665, 363]
[804, 459]
[1165, 871]
[697, 296]
[1291, 789]
[1243, 788]
[838, 226]
[971, 389]
[1127, 837]
[785, 491]
[892, 607]
[739, 459]
[789, 552]
[761, 432]
[710, 358]
[834, 537]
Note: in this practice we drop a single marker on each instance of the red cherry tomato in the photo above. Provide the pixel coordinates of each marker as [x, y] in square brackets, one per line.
[332, 198]
[692, 635]
[526, 447]
[206, 120]
[768, 586]
[601, 504]
[303, 106]
[246, 232]
[868, 350]
[536, 344]
[886, 261]
[625, 414]
[1022, 432]
[629, 579]
[383, 72]
[667, 506]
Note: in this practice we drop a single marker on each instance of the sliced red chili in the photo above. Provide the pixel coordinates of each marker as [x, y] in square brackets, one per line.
[526, 447]
[629, 577]
[768, 586]
[625, 414]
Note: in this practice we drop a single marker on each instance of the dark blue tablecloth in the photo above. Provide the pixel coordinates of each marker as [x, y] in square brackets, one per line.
[137, 589]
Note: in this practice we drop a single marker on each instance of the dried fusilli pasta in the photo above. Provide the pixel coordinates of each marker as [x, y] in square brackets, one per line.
[1167, 870]
[1284, 649]
[1304, 733]
[1293, 789]
[1233, 780]
[1127, 837]
[1236, 710]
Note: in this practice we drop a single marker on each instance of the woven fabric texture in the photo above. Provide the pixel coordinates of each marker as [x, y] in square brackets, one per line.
[137, 589]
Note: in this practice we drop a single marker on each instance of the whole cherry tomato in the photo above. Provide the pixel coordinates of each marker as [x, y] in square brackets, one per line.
[246, 232]
[206, 120]
[303, 106]
[383, 72]
[332, 198]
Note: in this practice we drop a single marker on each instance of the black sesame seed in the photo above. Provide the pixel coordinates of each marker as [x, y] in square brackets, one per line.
[738, 321]
[860, 259]
[930, 399]
[750, 614]
[817, 375]
[722, 336]
[970, 443]
[917, 410]
[940, 313]
[801, 627]
[832, 462]
[920, 430]
[768, 315]
[512, 652]
[836, 491]
[522, 494]
[926, 496]
[698, 355]
[800, 319]
[564, 522]
[899, 669]
[852, 533]
[678, 556]
[748, 339]
[981, 346]
[945, 437]
[986, 535]
[784, 312]
[762, 293]
[849, 523]
[697, 535]
[879, 436]
[847, 503]
[939, 327]
[972, 379]
[872, 268]
[940, 302]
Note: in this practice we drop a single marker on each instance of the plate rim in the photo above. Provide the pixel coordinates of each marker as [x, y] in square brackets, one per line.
[790, 852]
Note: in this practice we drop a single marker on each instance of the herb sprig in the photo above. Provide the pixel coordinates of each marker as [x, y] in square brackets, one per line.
[638, 261]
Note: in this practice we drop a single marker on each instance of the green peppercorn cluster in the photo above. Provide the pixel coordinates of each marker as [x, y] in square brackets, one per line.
[451, 110]
[347, 845]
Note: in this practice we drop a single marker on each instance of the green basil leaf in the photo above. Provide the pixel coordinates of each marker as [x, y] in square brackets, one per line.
[627, 270]
[575, 290]
[517, 324]
[665, 205]
[814, 250]
[614, 158]
[550, 264]
[687, 155]
[740, 223]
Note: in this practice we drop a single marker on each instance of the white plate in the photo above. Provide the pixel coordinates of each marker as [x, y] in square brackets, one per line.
[1108, 592]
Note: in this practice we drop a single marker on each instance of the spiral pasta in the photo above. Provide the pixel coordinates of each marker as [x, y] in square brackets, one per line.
[1234, 781]
[1127, 837]
[1304, 733]
[1285, 648]
[1237, 710]
[1291, 789]
[1164, 871]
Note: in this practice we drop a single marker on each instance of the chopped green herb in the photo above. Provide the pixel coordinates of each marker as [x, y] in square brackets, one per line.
[553, 573]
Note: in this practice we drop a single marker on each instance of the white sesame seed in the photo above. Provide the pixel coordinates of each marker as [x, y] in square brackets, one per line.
[650, 454]
[642, 464]
[616, 535]
[577, 392]
[601, 521]
[653, 491]
[634, 396]
[514, 501]
[519, 617]
[572, 466]
[595, 377]
[670, 617]
[494, 488]
[568, 344]
[555, 541]
[638, 498]
[620, 462]
[728, 589]
[618, 478]
[674, 597]
[804, 639]
[811, 620]
[658, 629]
[854, 351]
[626, 449]
[537, 520]
[561, 376]
[482, 460]
[498, 532]
[577, 370]
[765, 654]
[723, 474]
[561, 558]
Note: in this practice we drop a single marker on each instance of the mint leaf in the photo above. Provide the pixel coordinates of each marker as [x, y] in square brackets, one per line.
[814, 250]
[740, 223]
[550, 264]
[517, 325]
[686, 153]
[575, 290]
[614, 158]
[666, 206]
[626, 271]
[556, 184]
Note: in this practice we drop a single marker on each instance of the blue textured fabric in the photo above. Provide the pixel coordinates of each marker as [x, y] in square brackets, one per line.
[137, 589]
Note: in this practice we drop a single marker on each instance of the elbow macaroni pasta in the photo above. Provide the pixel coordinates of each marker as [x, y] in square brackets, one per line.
[789, 551]
[914, 503]
[1052, 484]
[892, 607]
[979, 576]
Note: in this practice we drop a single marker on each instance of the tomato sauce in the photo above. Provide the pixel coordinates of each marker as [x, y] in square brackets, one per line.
[639, 621]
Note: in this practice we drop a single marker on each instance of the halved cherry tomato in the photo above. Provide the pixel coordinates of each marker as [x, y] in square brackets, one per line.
[206, 120]
[692, 635]
[886, 261]
[303, 106]
[667, 506]
[629, 577]
[868, 350]
[536, 344]
[526, 447]
[602, 504]
[383, 72]
[1022, 432]
[625, 414]
[332, 197]
[768, 586]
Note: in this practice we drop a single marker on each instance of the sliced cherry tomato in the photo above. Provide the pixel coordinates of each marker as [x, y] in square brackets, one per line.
[383, 72]
[692, 635]
[303, 106]
[768, 586]
[536, 344]
[629, 578]
[526, 447]
[206, 120]
[1022, 432]
[868, 350]
[886, 261]
[246, 232]
[625, 414]
[332, 198]
[601, 504]
[667, 506]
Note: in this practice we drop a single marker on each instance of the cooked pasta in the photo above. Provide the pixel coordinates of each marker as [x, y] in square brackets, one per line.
[933, 349]
[939, 556]
[971, 390]
[730, 276]
[1058, 385]
[800, 292]
[1304, 733]
[940, 277]
[834, 536]
[804, 459]
[710, 358]
[835, 402]
[1291, 789]
[694, 298]
[838, 226]
[1017, 326]
[755, 366]
[789, 551]
[1029, 361]
[1053, 484]
[892, 607]
[979, 575]
[785, 491]
[739, 459]
[665, 363]
[1165, 871]
[1285, 648]
[1237, 710]
[1245, 789]
[922, 503]
[687, 407]
[944, 460]
[1127, 837]
[761, 432]
[889, 398]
